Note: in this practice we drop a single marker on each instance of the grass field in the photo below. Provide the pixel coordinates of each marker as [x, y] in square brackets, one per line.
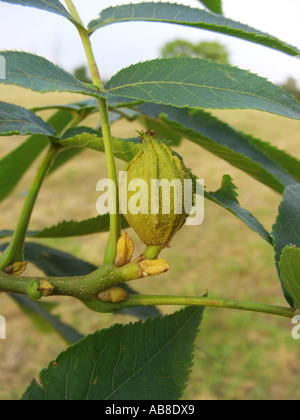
[239, 355]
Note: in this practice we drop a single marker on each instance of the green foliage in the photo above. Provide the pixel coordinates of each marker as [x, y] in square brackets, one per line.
[147, 361]
[16, 120]
[286, 228]
[14, 165]
[67, 229]
[36, 73]
[81, 73]
[53, 6]
[44, 321]
[123, 149]
[235, 147]
[151, 359]
[226, 197]
[187, 16]
[201, 84]
[213, 5]
[204, 49]
[289, 266]
[291, 87]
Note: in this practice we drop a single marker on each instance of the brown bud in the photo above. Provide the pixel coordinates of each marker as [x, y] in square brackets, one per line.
[154, 267]
[46, 288]
[16, 269]
[113, 295]
[125, 248]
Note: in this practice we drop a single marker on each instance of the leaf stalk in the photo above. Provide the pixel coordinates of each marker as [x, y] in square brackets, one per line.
[115, 223]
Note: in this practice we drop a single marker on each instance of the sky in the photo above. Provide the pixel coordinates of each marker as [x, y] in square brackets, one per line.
[120, 45]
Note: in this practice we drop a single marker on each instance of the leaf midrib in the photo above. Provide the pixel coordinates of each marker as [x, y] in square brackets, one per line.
[31, 76]
[152, 358]
[254, 95]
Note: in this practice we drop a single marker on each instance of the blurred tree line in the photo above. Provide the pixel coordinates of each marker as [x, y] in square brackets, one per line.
[214, 51]
[291, 87]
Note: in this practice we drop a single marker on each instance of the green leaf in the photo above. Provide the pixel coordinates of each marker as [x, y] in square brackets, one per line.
[14, 165]
[68, 154]
[86, 227]
[54, 262]
[213, 5]
[187, 16]
[90, 105]
[226, 197]
[71, 228]
[223, 141]
[287, 162]
[197, 83]
[53, 6]
[123, 149]
[289, 267]
[36, 73]
[141, 361]
[81, 107]
[286, 230]
[17, 120]
[44, 321]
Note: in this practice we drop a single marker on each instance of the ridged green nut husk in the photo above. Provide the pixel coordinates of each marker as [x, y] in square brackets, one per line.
[156, 161]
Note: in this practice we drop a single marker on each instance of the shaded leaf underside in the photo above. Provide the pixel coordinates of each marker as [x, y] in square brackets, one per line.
[37, 73]
[198, 83]
[17, 120]
[53, 6]
[191, 17]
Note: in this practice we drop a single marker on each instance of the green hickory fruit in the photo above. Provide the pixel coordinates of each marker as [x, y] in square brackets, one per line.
[156, 161]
